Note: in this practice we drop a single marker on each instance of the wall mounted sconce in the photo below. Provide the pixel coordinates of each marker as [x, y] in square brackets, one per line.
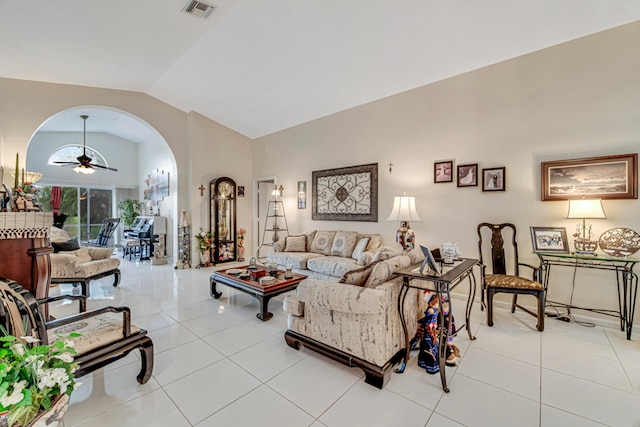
[302, 194]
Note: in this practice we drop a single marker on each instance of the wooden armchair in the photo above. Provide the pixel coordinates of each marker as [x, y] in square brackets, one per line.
[504, 271]
[107, 333]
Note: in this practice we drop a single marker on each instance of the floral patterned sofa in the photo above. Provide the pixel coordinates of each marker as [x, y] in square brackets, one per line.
[71, 263]
[354, 319]
[325, 255]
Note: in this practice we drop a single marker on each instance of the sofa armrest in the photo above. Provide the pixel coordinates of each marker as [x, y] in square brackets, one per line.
[100, 253]
[278, 246]
[346, 298]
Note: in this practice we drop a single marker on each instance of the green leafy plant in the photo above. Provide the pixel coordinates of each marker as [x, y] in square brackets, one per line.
[33, 376]
[129, 210]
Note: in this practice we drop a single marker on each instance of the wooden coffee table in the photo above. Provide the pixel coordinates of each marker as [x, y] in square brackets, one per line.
[263, 292]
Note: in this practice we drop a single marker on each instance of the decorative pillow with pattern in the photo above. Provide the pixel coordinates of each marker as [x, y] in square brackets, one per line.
[386, 252]
[322, 242]
[295, 243]
[343, 243]
[361, 246]
[357, 277]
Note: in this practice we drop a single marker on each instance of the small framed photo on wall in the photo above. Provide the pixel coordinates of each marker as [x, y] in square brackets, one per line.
[240, 191]
[443, 172]
[493, 179]
[468, 175]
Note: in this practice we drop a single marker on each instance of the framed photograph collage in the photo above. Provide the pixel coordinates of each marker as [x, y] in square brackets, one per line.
[468, 175]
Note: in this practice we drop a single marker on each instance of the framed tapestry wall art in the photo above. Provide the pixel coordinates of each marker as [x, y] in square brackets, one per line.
[606, 177]
[345, 194]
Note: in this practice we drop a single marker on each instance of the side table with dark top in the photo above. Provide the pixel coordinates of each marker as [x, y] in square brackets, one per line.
[451, 276]
[262, 292]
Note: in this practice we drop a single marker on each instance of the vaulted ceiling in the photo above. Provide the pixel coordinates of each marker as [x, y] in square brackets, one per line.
[261, 66]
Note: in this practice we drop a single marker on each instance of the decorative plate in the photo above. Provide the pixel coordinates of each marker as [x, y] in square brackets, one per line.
[236, 271]
[620, 242]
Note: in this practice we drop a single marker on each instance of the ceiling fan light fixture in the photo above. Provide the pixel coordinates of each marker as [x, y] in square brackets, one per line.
[87, 170]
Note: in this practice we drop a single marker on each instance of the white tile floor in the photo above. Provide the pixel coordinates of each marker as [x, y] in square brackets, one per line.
[216, 364]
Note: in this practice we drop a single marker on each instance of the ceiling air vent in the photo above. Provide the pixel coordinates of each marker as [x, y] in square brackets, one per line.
[198, 8]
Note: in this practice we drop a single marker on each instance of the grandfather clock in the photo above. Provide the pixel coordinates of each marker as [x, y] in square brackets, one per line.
[223, 220]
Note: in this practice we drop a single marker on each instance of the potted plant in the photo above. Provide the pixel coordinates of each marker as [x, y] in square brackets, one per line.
[35, 380]
[129, 209]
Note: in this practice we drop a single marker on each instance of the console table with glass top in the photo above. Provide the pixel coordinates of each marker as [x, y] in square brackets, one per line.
[626, 280]
[451, 276]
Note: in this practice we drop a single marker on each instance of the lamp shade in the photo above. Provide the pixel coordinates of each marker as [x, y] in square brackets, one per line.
[84, 169]
[585, 209]
[31, 177]
[404, 209]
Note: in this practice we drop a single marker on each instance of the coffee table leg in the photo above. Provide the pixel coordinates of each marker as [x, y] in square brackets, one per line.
[214, 293]
[264, 314]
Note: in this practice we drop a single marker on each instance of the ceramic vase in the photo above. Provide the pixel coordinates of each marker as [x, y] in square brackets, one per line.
[205, 258]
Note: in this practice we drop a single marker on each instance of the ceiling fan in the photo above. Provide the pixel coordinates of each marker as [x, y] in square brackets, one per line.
[84, 164]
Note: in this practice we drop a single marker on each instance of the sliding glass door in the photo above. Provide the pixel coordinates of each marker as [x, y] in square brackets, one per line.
[85, 208]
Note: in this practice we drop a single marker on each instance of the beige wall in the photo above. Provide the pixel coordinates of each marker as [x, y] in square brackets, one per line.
[25, 105]
[579, 99]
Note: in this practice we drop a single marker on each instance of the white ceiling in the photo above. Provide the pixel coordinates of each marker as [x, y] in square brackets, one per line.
[261, 66]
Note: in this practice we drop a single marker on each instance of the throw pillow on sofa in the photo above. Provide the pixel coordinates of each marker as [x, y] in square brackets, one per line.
[295, 243]
[69, 245]
[322, 242]
[384, 270]
[343, 243]
[357, 277]
[361, 246]
[387, 252]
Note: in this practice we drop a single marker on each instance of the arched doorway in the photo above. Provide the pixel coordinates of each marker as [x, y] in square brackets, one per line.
[126, 142]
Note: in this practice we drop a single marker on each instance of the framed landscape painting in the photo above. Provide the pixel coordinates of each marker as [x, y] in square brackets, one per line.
[606, 177]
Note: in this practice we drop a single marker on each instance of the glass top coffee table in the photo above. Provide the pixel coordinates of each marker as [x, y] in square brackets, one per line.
[263, 292]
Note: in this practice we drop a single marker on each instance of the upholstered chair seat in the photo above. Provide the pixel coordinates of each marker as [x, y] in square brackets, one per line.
[508, 281]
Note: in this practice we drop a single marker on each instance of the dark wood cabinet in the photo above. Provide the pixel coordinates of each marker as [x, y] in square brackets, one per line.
[223, 220]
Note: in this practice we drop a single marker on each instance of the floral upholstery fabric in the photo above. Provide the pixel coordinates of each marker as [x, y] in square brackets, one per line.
[508, 281]
[415, 255]
[360, 321]
[322, 242]
[96, 331]
[388, 251]
[298, 260]
[357, 277]
[82, 263]
[384, 270]
[343, 243]
[335, 266]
